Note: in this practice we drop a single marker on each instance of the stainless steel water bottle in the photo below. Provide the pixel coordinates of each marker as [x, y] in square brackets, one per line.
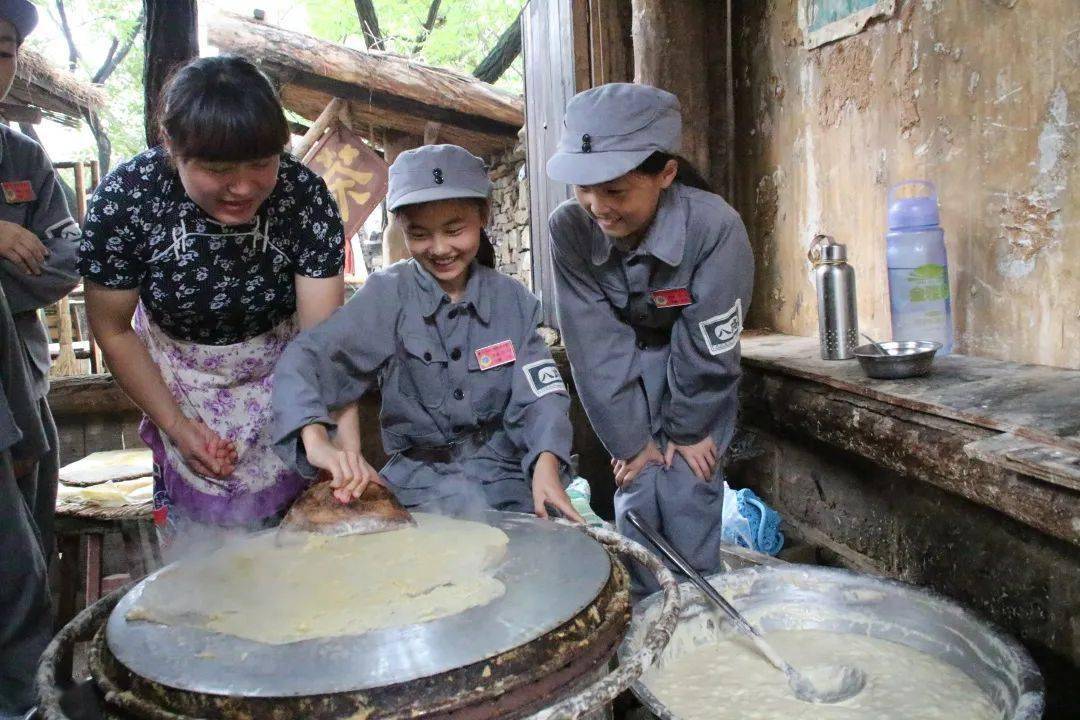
[838, 318]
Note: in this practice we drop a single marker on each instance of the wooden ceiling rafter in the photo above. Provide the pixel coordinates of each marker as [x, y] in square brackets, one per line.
[384, 92]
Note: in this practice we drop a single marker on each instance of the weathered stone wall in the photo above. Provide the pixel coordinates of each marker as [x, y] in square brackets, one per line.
[510, 214]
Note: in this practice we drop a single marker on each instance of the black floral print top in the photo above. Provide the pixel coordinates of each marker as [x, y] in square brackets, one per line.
[200, 280]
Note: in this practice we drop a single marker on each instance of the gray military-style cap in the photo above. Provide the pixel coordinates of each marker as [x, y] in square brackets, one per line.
[20, 13]
[436, 172]
[610, 130]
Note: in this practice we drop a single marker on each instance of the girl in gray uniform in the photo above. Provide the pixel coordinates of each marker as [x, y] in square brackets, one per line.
[474, 412]
[653, 275]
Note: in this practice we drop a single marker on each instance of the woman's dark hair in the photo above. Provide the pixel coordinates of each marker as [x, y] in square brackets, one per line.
[686, 175]
[222, 109]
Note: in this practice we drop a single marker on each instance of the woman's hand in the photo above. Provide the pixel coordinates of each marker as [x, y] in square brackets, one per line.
[349, 472]
[547, 488]
[627, 470]
[202, 449]
[225, 451]
[701, 456]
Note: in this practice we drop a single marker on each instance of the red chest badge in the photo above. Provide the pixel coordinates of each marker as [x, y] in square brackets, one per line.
[672, 297]
[18, 191]
[492, 356]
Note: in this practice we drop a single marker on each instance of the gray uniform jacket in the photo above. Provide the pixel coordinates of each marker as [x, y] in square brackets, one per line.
[46, 215]
[402, 333]
[21, 428]
[9, 431]
[634, 387]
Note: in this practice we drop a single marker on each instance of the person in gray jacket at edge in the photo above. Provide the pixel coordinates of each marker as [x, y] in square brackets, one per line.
[38, 246]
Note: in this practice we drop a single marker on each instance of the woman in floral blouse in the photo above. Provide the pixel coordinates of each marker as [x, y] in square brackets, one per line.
[220, 246]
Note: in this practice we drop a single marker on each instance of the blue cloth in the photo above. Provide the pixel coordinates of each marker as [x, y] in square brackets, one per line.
[750, 523]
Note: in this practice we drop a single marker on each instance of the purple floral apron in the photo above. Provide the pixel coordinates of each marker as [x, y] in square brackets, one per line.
[228, 388]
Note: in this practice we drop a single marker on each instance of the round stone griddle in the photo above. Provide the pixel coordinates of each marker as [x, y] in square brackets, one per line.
[551, 573]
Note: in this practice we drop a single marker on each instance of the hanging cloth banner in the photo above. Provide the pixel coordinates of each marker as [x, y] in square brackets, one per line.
[355, 174]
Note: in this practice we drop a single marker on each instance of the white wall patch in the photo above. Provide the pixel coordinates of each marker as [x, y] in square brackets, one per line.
[544, 377]
[721, 332]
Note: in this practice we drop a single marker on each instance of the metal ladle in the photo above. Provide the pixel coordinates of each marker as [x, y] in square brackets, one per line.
[831, 683]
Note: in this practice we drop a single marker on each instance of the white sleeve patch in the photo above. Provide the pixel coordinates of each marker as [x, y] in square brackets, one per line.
[66, 229]
[544, 377]
[721, 332]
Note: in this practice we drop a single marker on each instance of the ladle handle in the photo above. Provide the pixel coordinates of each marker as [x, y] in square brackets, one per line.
[686, 569]
[875, 343]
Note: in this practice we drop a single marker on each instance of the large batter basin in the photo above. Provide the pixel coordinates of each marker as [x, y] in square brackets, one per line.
[800, 597]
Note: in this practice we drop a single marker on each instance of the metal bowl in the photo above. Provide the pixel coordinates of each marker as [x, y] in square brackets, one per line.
[901, 359]
[778, 598]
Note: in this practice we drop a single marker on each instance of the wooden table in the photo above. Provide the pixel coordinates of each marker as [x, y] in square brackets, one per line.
[1035, 408]
[76, 521]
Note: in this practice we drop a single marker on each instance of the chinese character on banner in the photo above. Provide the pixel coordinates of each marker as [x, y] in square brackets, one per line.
[355, 174]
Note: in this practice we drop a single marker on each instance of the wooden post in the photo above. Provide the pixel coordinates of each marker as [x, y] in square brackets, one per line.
[325, 119]
[550, 81]
[80, 193]
[97, 362]
[611, 47]
[171, 40]
[581, 39]
[66, 362]
[670, 52]
[431, 133]
[393, 239]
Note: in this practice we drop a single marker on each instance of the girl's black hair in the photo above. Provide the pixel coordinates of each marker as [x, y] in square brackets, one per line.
[223, 109]
[486, 254]
[686, 175]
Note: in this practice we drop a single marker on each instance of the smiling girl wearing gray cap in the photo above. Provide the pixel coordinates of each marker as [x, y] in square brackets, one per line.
[653, 275]
[474, 412]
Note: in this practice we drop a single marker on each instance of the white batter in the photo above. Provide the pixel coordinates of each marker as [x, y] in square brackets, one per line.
[731, 679]
[320, 586]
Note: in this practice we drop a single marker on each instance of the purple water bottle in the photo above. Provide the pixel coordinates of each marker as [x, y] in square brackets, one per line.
[918, 268]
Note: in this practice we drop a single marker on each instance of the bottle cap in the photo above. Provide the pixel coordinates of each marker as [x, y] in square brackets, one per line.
[913, 212]
[833, 253]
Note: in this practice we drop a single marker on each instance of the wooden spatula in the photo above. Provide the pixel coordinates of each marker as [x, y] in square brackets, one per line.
[318, 511]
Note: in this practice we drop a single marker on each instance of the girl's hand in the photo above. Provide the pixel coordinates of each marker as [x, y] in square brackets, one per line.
[547, 488]
[627, 470]
[701, 456]
[199, 446]
[347, 436]
[349, 472]
[22, 248]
